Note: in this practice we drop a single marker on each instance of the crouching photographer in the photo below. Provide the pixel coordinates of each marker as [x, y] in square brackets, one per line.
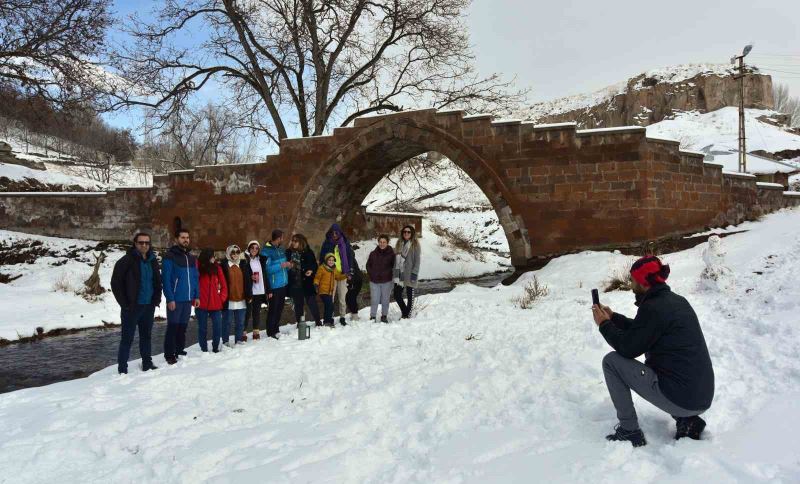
[677, 375]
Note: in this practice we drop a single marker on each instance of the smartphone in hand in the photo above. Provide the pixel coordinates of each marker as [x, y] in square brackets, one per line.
[595, 297]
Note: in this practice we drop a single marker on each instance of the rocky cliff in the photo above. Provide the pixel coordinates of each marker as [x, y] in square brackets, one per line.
[655, 95]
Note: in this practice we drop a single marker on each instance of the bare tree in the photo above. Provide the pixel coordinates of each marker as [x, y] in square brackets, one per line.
[309, 65]
[48, 48]
[786, 104]
[191, 137]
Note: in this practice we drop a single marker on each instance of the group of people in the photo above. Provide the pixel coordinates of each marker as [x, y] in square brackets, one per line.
[234, 290]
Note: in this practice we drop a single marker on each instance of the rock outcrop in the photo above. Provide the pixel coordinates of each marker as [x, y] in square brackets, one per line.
[655, 95]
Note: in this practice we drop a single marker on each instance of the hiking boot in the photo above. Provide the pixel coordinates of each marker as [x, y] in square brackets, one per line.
[149, 366]
[635, 437]
[244, 338]
[342, 321]
[690, 427]
[171, 360]
[384, 319]
[182, 353]
[256, 335]
[122, 371]
[215, 350]
[372, 318]
[318, 323]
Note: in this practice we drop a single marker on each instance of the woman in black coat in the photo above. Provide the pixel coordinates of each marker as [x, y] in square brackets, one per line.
[301, 277]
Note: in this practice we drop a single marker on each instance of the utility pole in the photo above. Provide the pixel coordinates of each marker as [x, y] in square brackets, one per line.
[742, 70]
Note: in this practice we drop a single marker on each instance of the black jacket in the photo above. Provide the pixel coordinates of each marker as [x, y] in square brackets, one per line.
[127, 277]
[307, 263]
[244, 266]
[248, 275]
[667, 331]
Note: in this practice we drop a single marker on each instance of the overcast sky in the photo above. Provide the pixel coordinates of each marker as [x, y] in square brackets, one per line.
[568, 47]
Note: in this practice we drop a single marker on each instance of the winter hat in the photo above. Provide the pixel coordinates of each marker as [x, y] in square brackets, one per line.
[649, 270]
[229, 250]
[251, 243]
[328, 256]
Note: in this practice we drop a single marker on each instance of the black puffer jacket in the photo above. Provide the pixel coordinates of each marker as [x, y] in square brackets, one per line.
[667, 332]
[307, 263]
[127, 277]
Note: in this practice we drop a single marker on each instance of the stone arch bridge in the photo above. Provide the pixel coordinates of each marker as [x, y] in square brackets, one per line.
[555, 189]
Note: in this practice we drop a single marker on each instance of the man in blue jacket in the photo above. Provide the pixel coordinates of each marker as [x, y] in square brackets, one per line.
[180, 280]
[136, 284]
[278, 278]
[677, 375]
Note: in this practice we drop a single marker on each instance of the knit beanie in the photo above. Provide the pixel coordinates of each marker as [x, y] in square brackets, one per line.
[649, 270]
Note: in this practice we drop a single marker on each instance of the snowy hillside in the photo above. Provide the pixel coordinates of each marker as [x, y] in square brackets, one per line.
[473, 390]
[719, 131]
[671, 74]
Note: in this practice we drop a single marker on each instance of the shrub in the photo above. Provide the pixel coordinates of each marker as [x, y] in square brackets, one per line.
[62, 284]
[531, 293]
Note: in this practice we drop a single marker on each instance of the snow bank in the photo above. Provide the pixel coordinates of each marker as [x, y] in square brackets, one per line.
[472, 390]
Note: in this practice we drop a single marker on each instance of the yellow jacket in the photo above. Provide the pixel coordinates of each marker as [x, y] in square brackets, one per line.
[325, 279]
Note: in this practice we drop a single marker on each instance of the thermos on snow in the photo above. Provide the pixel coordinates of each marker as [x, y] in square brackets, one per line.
[303, 329]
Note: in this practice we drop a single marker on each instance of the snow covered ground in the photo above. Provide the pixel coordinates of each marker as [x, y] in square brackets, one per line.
[717, 134]
[471, 390]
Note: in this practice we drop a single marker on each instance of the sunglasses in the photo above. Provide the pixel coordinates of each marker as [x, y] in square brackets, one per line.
[406, 231]
[236, 251]
[140, 242]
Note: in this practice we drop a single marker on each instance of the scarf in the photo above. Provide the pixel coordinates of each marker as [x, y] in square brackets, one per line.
[342, 245]
[400, 262]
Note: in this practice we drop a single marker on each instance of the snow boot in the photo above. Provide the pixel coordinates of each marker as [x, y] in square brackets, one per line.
[318, 323]
[342, 321]
[384, 319]
[635, 437]
[182, 353]
[149, 366]
[372, 318]
[244, 338]
[171, 360]
[256, 335]
[690, 427]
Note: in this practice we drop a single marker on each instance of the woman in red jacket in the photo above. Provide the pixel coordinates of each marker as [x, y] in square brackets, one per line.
[213, 293]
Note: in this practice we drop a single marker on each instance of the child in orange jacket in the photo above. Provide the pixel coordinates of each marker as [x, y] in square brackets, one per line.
[325, 283]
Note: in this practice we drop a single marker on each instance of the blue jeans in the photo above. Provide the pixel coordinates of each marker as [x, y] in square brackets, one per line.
[202, 327]
[327, 302]
[140, 316]
[238, 318]
[177, 320]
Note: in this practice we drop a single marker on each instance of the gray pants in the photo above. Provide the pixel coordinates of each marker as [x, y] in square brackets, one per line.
[626, 374]
[380, 294]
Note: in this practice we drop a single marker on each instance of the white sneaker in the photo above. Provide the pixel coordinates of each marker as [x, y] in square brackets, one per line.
[228, 344]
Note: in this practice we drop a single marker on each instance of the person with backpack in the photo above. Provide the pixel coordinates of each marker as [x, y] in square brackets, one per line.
[278, 277]
[301, 278]
[136, 284]
[325, 284]
[213, 294]
[676, 376]
[380, 265]
[406, 269]
[237, 277]
[259, 286]
[179, 281]
[346, 290]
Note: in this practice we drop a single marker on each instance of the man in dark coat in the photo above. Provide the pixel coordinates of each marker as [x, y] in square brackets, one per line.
[136, 284]
[677, 375]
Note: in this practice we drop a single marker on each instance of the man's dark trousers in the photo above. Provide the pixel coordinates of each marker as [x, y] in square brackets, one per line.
[141, 316]
[275, 310]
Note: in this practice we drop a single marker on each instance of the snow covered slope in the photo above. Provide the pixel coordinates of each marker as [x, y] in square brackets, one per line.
[717, 134]
[473, 390]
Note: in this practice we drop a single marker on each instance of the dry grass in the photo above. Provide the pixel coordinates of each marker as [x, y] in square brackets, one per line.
[63, 284]
[531, 293]
[620, 279]
[459, 239]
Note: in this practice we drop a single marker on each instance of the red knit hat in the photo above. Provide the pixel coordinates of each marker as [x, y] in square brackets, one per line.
[649, 270]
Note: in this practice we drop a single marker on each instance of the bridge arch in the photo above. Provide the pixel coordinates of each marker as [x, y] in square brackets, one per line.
[338, 186]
